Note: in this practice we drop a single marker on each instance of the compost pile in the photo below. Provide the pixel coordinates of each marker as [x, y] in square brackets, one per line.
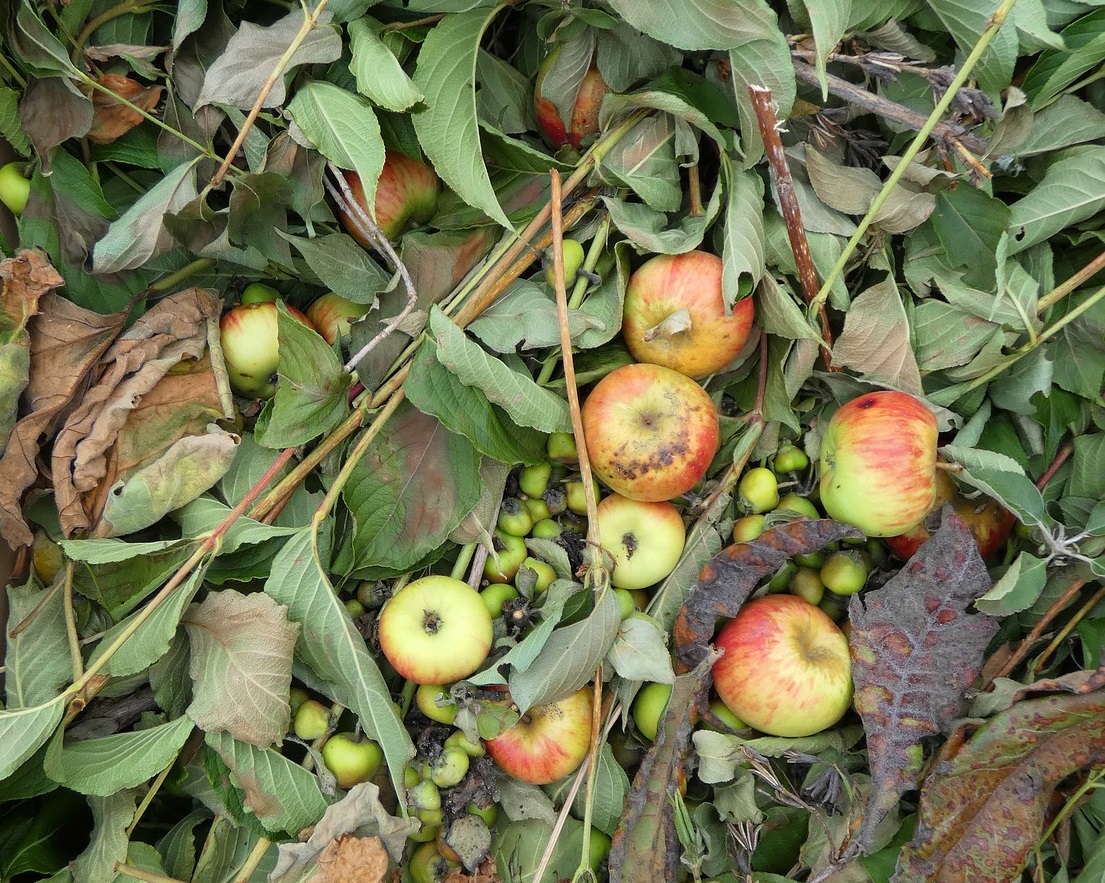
[553, 440]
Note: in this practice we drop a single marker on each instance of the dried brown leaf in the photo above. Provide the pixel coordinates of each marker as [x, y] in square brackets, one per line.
[730, 577]
[66, 343]
[51, 111]
[983, 809]
[485, 873]
[915, 651]
[111, 118]
[352, 860]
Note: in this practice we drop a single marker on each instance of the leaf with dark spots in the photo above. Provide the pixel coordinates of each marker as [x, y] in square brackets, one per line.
[983, 809]
[915, 651]
[730, 577]
[646, 847]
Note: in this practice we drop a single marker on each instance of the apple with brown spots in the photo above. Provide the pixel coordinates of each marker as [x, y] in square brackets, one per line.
[548, 742]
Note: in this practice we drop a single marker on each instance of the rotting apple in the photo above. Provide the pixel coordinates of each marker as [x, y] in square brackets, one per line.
[333, 314]
[351, 761]
[674, 315]
[645, 539]
[406, 193]
[786, 669]
[878, 463]
[585, 109]
[251, 346]
[548, 742]
[15, 187]
[435, 630]
[651, 432]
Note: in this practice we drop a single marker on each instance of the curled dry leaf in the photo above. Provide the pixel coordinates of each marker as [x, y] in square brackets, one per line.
[915, 651]
[111, 118]
[983, 807]
[352, 860]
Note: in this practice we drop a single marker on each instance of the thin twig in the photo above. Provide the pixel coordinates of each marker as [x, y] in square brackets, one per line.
[1060, 291]
[1060, 458]
[792, 213]
[1079, 615]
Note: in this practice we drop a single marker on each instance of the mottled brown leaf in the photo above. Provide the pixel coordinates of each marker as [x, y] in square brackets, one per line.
[646, 847]
[111, 118]
[66, 342]
[915, 650]
[984, 809]
[732, 575]
[52, 111]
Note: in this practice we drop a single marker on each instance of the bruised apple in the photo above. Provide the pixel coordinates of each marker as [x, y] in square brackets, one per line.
[675, 316]
[406, 193]
[548, 742]
[651, 432]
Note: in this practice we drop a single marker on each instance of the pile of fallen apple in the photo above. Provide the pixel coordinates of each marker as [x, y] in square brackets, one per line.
[650, 432]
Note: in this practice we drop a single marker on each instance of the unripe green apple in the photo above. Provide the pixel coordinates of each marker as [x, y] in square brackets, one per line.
[514, 517]
[758, 490]
[297, 695]
[354, 608]
[312, 719]
[725, 714]
[806, 584]
[511, 552]
[251, 347]
[459, 740]
[746, 529]
[799, 505]
[878, 463]
[449, 767]
[561, 446]
[845, 573]
[546, 529]
[781, 579]
[573, 260]
[789, 459]
[545, 573]
[488, 813]
[46, 557]
[576, 495]
[15, 187]
[424, 795]
[810, 559]
[648, 708]
[625, 602]
[496, 595]
[435, 701]
[598, 849]
[428, 865]
[258, 293]
[645, 539]
[350, 761]
[429, 830]
[538, 509]
[534, 480]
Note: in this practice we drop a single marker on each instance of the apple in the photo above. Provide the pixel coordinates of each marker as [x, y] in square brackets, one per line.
[806, 584]
[251, 347]
[332, 315]
[510, 552]
[406, 192]
[798, 505]
[459, 740]
[878, 463]
[651, 432]
[449, 767]
[989, 522]
[297, 695]
[758, 491]
[573, 260]
[354, 608]
[258, 293]
[435, 630]
[575, 495]
[648, 708]
[428, 696]
[746, 529]
[845, 573]
[534, 480]
[351, 761]
[428, 865]
[789, 459]
[786, 669]
[546, 529]
[645, 539]
[312, 719]
[15, 187]
[538, 509]
[627, 604]
[585, 109]
[548, 742]
[514, 517]
[543, 573]
[496, 595]
[674, 315]
[561, 446]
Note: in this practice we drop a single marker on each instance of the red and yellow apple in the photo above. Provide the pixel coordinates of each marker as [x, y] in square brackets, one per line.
[674, 315]
[878, 463]
[435, 630]
[332, 315]
[645, 539]
[651, 432]
[548, 742]
[585, 109]
[406, 193]
[786, 669]
[251, 347]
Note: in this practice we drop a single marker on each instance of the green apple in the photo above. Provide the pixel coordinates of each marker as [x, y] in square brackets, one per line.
[573, 260]
[258, 293]
[645, 539]
[15, 187]
[355, 608]
[746, 529]
[789, 459]
[449, 767]
[545, 574]
[561, 446]
[845, 573]
[758, 491]
[626, 603]
[297, 695]
[806, 584]
[546, 529]
[576, 496]
[503, 566]
[514, 517]
[251, 347]
[459, 740]
[351, 761]
[428, 865]
[435, 630]
[648, 708]
[488, 813]
[799, 505]
[534, 480]
[538, 510]
[496, 595]
[424, 796]
[312, 719]
[435, 701]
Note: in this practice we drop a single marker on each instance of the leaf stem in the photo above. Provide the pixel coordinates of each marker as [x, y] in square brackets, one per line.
[1061, 291]
[1065, 631]
[137, 7]
[253, 860]
[988, 34]
[185, 272]
[71, 624]
[148, 797]
[139, 874]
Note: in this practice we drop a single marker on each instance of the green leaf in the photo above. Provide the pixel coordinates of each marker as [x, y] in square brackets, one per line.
[282, 794]
[640, 653]
[1000, 477]
[10, 128]
[23, 730]
[527, 403]
[380, 77]
[331, 645]
[780, 313]
[112, 815]
[1087, 477]
[1055, 70]
[464, 410]
[610, 791]
[1068, 121]
[448, 130]
[204, 515]
[965, 21]
[110, 764]
[828, 20]
[569, 658]
[344, 128]
[969, 224]
[37, 666]
[525, 318]
[311, 396]
[1072, 190]
[698, 24]
[1017, 589]
[343, 266]
[110, 551]
[875, 340]
[653, 231]
[743, 243]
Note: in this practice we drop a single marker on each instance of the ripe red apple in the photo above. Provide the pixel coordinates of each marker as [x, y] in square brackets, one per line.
[548, 742]
[251, 347]
[988, 520]
[674, 315]
[406, 193]
[332, 315]
[651, 432]
[435, 630]
[585, 109]
[646, 539]
[878, 463]
[786, 669]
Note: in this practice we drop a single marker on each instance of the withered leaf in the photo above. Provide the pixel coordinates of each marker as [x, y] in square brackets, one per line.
[241, 664]
[352, 860]
[53, 111]
[915, 650]
[730, 577]
[111, 118]
[645, 846]
[66, 343]
[982, 810]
